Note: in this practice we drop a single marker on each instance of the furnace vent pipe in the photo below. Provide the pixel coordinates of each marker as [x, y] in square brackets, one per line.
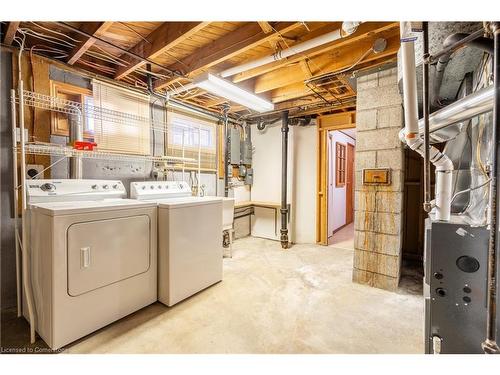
[443, 164]
[347, 29]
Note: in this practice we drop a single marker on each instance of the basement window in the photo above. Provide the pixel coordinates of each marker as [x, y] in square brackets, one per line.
[189, 132]
[121, 119]
[340, 164]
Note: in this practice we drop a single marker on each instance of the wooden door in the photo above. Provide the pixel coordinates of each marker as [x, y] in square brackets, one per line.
[349, 185]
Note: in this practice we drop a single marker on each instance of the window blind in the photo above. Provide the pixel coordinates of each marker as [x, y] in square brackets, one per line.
[121, 119]
[189, 130]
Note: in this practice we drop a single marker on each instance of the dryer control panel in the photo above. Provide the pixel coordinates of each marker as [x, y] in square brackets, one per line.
[144, 190]
[68, 190]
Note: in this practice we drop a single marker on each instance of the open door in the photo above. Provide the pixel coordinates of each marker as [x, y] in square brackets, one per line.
[326, 123]
[349, 184]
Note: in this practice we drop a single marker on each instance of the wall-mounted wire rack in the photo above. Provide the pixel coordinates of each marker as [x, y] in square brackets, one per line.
[61, 150]
[60, 105]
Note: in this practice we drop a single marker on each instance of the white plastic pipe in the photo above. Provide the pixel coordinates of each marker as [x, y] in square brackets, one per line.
[443, 164]
[348, 28]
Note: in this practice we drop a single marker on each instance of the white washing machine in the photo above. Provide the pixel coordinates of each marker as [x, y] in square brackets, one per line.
[93, 256]
[189, 238]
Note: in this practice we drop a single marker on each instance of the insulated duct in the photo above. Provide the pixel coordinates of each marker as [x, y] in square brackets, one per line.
[482, 43]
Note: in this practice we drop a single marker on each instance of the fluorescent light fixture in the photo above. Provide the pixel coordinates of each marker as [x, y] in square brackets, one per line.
[230, 91]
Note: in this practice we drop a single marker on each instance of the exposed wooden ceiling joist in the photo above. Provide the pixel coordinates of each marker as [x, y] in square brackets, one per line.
[226, 47]
[331, 61]
[10, 32]
[364, 30]
[165, 37]
[92, 28]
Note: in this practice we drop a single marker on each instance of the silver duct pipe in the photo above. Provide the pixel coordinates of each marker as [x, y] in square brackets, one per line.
[456, 113]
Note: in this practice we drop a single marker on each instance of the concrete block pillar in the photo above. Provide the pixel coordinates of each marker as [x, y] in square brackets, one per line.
[378, 208]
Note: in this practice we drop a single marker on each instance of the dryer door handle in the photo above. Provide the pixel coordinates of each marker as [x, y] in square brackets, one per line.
[85, 257]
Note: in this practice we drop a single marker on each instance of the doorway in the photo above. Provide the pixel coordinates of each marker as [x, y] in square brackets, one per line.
[341, 145]
[336, 176]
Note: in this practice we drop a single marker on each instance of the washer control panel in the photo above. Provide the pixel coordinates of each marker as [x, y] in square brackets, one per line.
[159, 190]
[73, 190]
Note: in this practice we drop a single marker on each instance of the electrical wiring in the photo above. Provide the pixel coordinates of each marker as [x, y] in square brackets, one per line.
[134, 31]
[55, 32]
[470, 189]
[45, 37]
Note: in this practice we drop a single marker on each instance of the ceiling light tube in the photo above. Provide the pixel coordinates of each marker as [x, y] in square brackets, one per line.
[232, 92]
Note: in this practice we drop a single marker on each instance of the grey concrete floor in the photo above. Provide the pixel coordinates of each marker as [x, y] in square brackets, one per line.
[271, 301]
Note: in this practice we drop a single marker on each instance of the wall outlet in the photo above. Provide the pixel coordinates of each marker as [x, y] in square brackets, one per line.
[33, 170]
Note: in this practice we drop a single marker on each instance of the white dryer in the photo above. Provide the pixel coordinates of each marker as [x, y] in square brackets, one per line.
[92, 253]
[189, 238]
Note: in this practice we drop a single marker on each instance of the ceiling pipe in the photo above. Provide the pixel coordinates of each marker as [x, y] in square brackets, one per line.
[347, 29]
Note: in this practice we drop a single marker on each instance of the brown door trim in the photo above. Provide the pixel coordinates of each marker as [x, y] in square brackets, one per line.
[349, 184]
[337, 121]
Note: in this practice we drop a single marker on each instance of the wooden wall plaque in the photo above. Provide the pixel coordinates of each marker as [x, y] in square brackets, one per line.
[378, 176]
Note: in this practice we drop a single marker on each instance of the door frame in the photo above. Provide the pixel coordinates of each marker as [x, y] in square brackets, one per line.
[337, 121]
[350, 173]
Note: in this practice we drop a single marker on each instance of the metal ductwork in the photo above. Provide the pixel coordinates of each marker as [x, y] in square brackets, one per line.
[482, 43]
[446, 123]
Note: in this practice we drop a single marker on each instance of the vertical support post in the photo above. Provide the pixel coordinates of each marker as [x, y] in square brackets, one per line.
[490, 345]
[183, 154]
[76, 134]
[15, 184]
[285, 244]
[226, 151]
[426, 109]
[25, 246]
[198, 188]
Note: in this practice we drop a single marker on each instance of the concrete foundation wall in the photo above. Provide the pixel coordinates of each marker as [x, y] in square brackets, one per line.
[378, 209]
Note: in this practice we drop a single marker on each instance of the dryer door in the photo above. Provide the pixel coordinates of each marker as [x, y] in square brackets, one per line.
[104, 252]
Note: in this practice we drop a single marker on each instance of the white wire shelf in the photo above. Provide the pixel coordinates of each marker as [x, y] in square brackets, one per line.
[54, 104]
[66, 151]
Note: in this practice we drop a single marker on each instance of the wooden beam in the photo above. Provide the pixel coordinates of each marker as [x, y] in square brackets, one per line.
[364, 30]
[311, 101]
[216, 102]
[92, 28]
[242, 39]
[265, 26]
[267, 29]
[10, 32]
[165, 37]
[331, 61]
